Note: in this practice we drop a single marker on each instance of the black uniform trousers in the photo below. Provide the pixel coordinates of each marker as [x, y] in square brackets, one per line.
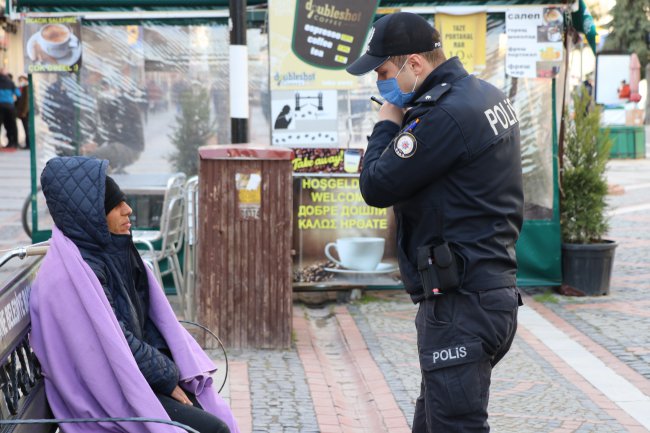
[461, 336]
[8, 119]
[192, 416]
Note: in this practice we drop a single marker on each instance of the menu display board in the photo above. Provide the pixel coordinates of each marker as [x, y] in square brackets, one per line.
[534, 42]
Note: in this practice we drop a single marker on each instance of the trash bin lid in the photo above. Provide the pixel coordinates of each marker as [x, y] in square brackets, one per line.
[245, 151]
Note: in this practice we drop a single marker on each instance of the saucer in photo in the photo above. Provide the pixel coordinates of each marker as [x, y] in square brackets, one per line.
[382, 268]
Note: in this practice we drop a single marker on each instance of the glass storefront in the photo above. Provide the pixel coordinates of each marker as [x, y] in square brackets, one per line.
[146, 97]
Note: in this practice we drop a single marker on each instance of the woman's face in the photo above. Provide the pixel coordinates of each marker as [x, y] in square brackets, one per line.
[118, 219]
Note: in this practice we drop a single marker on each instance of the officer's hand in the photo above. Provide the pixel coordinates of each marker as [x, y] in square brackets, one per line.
[391, 112]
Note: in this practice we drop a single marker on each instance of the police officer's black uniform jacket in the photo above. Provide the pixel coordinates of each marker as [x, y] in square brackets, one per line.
[461, 182]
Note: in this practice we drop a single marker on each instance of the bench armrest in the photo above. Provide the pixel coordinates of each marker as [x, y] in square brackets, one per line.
[95, 420]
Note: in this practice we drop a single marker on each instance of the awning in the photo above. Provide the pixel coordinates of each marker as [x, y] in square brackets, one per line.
[158, 4]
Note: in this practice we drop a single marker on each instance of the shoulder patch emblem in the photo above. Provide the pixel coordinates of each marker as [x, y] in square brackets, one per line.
[405, 145]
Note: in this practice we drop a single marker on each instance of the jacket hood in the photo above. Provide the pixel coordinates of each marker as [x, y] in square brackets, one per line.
[74, 189]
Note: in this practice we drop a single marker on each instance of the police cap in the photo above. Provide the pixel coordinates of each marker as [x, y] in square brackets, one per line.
[395, 35]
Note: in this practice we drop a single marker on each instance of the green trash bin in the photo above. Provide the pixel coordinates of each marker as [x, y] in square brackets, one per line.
[627, 141]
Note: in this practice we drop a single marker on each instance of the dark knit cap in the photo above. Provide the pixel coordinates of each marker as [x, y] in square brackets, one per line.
[113, 196]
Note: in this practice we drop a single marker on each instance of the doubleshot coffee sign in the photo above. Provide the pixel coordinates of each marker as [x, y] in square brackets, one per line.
[312, 41]
[331, 33]
[52, 44]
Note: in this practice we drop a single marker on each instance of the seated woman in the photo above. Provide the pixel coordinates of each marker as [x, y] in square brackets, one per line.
[104, 333]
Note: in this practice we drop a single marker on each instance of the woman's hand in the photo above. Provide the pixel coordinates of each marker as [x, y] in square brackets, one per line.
[179, 395]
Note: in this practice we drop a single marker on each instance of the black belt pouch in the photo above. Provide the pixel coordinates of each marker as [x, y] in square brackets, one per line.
[438, 268]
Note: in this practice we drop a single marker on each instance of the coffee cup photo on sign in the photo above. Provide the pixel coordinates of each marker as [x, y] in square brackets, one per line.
[53, 43]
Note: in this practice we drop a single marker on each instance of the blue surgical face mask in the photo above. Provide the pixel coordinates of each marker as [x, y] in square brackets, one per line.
[390, 91]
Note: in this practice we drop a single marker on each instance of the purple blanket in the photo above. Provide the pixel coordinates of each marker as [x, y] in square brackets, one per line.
[87, 364]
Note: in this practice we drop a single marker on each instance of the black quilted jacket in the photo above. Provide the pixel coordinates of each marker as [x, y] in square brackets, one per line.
[74, 190]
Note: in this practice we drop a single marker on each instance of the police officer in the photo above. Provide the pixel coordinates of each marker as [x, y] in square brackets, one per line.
[446, 155]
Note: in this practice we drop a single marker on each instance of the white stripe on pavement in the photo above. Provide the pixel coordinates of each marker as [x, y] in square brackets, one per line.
[636, 186]
[615, 387]
[629, 209]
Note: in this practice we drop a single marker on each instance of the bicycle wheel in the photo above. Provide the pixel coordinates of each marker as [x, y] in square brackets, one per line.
[26, 211]
[213, 347]
[26, 215]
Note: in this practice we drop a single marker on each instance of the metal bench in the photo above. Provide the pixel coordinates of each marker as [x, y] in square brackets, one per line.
[23, 403]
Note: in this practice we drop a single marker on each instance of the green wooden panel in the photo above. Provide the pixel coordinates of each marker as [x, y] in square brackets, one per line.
[539, 254]
[627, 141]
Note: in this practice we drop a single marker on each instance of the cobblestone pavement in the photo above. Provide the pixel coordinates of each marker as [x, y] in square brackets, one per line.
[620, 322]
[14, 187]
[527, 395]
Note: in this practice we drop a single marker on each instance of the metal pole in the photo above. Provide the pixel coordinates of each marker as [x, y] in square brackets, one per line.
[238, 72]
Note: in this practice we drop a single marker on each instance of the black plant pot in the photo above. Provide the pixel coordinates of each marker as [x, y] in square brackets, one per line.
[588, 267]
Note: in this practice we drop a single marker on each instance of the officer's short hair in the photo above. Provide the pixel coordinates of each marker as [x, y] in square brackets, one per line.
[434, 56]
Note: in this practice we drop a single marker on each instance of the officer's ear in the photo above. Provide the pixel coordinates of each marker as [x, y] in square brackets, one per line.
[418, 63]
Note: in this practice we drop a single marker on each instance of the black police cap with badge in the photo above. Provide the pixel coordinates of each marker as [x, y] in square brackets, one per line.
[395, 35]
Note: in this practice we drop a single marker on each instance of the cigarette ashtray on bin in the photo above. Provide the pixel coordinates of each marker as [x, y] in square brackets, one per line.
[244, 289]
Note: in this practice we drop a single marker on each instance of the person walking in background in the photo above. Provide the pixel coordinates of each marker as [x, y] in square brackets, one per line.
[22, 106]
[8, 95]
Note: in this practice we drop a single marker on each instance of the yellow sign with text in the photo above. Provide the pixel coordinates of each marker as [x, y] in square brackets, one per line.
[464, 36]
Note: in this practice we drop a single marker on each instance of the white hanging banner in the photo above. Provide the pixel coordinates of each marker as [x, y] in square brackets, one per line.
[534, 42]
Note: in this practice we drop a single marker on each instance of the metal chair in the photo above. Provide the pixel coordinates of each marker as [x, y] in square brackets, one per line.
[175, 187]
[170, 235]
[189, 262]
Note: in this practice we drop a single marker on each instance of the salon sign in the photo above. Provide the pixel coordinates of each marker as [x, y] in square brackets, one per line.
[52, 44]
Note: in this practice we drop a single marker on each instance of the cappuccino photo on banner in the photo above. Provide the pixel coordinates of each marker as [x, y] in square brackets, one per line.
[52, 44]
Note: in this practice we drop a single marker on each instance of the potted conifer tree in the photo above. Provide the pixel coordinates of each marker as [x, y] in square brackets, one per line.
[587, 258]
